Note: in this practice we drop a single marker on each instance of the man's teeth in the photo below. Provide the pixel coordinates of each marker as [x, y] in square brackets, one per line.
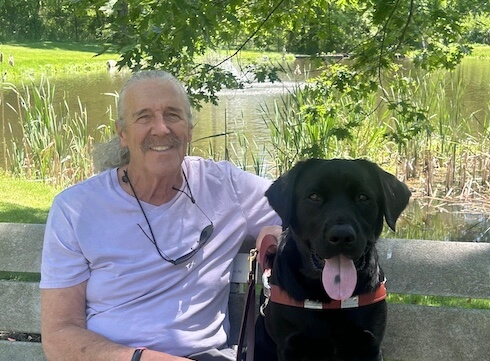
[160, 148]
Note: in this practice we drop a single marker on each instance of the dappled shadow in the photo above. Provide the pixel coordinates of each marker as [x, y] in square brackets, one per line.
[15, 213]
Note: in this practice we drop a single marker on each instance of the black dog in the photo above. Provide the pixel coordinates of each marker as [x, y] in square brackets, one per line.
[332, 213]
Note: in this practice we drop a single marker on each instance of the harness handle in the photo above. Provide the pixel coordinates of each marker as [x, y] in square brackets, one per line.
[248, 318]
[267, 237]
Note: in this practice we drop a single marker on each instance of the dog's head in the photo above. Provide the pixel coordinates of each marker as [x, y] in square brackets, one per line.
[337, 206]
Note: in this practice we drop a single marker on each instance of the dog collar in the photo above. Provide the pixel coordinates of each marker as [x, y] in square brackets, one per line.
[278, 295]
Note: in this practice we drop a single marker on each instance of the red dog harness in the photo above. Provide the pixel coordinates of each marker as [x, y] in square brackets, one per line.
[278, 295]
[267, 248]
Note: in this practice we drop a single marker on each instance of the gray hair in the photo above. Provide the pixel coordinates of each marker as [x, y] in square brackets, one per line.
[152, 74]
[111, 154]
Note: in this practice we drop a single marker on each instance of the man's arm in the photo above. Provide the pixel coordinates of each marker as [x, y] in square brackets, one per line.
[64, 331]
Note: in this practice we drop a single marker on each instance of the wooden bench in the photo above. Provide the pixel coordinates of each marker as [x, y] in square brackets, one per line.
[414, 333]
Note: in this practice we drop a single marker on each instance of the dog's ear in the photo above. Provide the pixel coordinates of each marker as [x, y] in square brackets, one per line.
[281, 193]
[396, 195]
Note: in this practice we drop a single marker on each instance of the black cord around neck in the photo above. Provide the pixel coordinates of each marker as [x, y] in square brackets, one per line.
[125, 179]
[191, 197]
[205, 233]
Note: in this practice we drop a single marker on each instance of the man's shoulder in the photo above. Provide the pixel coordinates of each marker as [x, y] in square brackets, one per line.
[97, 183]
[210, 166]
[223, 172]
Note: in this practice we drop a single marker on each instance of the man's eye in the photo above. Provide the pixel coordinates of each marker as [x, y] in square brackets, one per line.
[172, 117]
[144, 118]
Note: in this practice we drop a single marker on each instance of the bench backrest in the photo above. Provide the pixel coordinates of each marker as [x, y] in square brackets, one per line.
[20, 252]
[412, 267]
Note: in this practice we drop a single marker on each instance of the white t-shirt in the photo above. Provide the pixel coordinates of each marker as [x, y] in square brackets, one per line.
[134, 297]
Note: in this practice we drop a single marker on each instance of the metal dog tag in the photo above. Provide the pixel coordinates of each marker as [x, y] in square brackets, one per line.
[313, 305]
[352, 302]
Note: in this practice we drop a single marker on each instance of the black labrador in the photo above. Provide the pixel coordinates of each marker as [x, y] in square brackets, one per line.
[327, 300]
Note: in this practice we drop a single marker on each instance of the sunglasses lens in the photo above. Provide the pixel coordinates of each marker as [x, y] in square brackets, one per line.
[206, 233]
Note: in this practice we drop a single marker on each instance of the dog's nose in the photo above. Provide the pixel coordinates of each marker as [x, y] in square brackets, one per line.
[341, 234]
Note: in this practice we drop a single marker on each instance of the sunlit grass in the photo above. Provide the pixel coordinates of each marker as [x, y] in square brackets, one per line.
[438, 301]
[23, 200]
[50, 58]
[480, 51]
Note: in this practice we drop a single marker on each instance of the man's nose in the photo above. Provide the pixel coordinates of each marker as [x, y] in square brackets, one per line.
[160, 126]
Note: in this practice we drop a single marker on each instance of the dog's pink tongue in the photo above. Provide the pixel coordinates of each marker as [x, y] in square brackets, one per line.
[339, 277]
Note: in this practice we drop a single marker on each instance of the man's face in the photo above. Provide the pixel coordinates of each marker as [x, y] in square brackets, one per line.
[156, 129]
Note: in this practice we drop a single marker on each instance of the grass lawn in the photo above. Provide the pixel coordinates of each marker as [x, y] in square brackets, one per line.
[24, 201]
[54, 58]
[480, 51]
[50, 58]
[439, 301]
[60, 59]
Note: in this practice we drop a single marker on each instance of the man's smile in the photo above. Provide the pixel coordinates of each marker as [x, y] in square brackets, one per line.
[160, 148]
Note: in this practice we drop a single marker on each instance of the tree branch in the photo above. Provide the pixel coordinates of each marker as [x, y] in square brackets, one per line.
[251, 36]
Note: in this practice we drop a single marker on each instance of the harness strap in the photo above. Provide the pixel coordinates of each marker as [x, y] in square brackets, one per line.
[247, 328]
[267, 247]
[278, 295]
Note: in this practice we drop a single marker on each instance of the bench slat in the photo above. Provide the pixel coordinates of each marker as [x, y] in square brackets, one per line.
[21, 306]
[458, 269]
[21, 351]
[426, 333]
[235, 312]
[21, 246]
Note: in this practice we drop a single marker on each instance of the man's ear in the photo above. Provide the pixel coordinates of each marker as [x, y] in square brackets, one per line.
[122, 135]
[190, 132]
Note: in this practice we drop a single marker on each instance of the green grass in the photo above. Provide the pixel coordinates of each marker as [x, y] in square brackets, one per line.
[56, 58]
[24, 201]
[438, 301]
[20, 276]
[480, 51]
[50, 58]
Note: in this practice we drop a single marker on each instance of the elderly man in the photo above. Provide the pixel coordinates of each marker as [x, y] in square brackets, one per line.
[137, 259]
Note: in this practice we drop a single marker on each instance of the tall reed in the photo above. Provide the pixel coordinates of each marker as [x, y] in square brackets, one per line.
[430, 140]
[451, 152]
[299, 130]
[54, 143]
[427, 139]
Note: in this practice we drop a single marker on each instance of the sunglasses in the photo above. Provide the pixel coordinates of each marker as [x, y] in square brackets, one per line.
[203, 238]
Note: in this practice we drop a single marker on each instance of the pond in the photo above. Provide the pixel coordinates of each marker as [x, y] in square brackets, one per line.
[239, 111]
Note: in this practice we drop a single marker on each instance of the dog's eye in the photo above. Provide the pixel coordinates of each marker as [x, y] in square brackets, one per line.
[362, 198]
[314, 197]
